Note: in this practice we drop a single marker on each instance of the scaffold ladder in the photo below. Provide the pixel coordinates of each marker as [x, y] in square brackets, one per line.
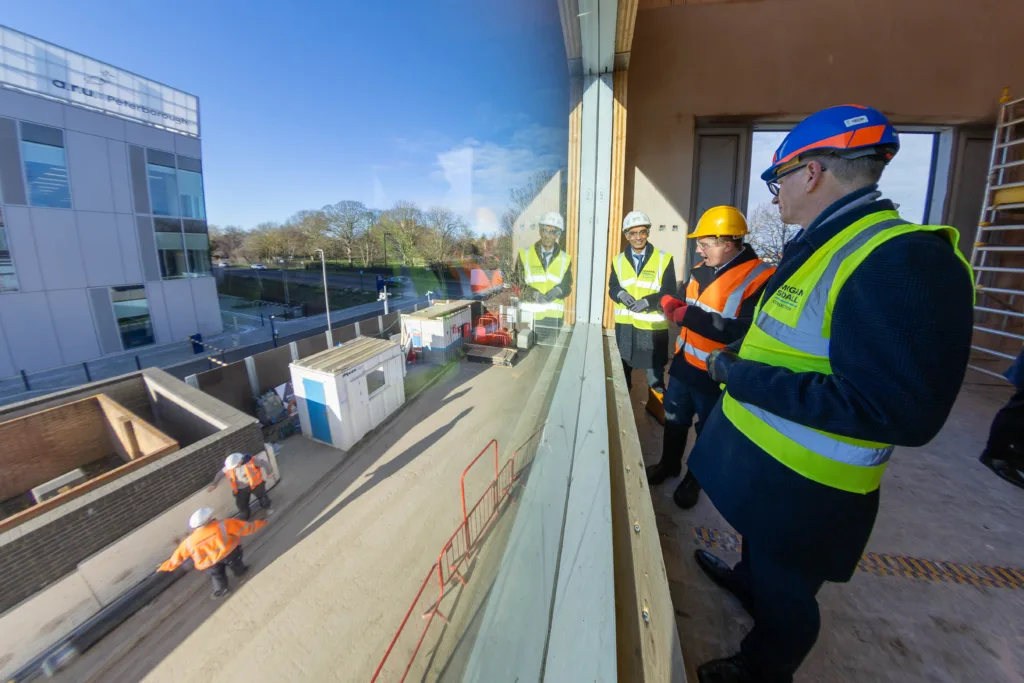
[998, 254]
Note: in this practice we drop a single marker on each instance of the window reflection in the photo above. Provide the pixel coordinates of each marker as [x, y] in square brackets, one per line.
[46, 168]
[131, 309]
[8, 278]
[170, 247]
[190, 187]
[163, 189]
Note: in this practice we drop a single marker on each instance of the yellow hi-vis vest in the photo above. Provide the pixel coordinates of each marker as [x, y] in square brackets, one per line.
[792, 330]
[646, 282]
[543, 280]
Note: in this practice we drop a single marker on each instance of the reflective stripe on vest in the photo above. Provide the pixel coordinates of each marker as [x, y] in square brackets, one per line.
[543, 280]
[697, 348]
[250, 475]
[212, 548]
[648, 281]
[792, 329]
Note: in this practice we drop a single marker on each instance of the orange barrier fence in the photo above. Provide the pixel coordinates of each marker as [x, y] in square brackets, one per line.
[429, 616]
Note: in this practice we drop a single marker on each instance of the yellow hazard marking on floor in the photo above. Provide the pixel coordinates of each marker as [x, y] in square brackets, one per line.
[881, 564]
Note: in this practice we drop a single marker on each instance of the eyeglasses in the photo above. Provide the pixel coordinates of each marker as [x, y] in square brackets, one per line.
[550, 233]
[638, 233]
[773, 185]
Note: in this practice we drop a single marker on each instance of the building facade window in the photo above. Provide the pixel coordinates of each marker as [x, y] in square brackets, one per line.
[190, 188]
[374, 380]
[46, 166]
[162, 177]
[8, 278]
[170, 246]
[131, 310]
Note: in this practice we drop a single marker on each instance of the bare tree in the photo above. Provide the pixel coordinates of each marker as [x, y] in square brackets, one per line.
[347, 222]
[227, 242]
[444, 229]
[402, 227]
[768, 234]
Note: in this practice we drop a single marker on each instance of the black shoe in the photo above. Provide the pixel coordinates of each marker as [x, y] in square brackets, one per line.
[241, 570]
[1004, 469]
[687, 493]
[220, 593]
[735, 669]
[721, 573]
[662, 471]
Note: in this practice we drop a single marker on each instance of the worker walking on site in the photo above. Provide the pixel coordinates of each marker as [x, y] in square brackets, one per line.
[1004, 452]
[640, 276]
[717, 309]
[860, 343]
[246, 475]
[544, 274]
[213, 546]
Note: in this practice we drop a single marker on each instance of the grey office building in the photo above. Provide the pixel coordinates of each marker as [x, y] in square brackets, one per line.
[103, 234]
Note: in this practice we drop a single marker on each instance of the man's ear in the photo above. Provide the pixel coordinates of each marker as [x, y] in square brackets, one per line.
[814, 172]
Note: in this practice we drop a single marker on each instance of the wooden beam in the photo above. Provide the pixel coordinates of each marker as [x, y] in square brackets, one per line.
[617, 186]
[625, 21]
[568, 11]
[647, 642]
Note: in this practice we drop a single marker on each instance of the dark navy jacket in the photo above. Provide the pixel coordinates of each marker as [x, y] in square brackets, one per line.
[900, 340]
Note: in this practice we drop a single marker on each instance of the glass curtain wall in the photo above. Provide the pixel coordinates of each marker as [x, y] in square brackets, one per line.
[8, 278]
[46, 168]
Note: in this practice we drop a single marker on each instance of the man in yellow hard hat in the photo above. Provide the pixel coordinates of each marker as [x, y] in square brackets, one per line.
[720, 297]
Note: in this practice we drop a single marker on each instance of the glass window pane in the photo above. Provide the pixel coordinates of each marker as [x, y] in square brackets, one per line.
[190, 187]
[374, 380]
[198, 248]
[163, 190]
[171, 250]
[8, 278]
[131, 308]
[46, 172]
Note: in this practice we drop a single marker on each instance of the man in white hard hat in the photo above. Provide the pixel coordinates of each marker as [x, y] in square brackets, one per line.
[641, 275]
[543, 273]
[247, 477]
[213, 546]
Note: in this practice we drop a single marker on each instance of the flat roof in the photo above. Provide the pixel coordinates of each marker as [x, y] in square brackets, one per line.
[355, 352]
[439, 310]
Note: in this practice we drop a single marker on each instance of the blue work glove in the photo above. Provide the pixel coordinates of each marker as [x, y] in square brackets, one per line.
[626, 298]
[639, 305]
[719, 363]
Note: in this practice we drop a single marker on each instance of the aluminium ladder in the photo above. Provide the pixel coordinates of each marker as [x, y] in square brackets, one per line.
[998, 254]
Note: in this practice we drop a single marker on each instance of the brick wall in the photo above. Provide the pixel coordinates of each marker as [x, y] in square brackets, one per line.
[43, 555]
[128, 390]
[41, 446]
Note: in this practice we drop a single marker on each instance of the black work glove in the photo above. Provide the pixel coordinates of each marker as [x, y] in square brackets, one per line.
[535, 296]
[553, 294]
[639, 305]
[626, 298]
[719, 363]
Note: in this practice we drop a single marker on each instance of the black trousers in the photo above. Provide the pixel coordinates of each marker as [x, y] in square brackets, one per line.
[218, 572]
[243, 496]
[655, 376]
[783, 598]
[1006, 438]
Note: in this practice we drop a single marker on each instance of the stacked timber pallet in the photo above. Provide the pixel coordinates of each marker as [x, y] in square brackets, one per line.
[493, 355]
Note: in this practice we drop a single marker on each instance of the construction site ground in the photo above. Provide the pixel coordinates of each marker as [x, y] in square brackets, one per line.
[348, 546]
[958, 616]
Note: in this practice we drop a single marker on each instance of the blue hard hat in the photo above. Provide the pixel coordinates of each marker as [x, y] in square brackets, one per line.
[848, 130]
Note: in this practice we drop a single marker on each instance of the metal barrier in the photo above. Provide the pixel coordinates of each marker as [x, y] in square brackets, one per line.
[429, 617]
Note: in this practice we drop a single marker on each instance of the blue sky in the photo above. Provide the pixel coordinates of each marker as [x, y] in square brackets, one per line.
[304, 104]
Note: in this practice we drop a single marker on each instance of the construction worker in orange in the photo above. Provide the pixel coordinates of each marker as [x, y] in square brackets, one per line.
[720, 297]
[213, 546]
[246, 475]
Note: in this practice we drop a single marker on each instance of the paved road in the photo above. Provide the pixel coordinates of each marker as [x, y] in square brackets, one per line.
[241, 329]
[366, 282]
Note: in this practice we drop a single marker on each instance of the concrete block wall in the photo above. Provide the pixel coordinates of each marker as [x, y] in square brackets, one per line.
[46, 547]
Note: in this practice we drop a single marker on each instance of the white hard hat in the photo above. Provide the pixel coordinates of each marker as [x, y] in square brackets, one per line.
[200, 517]
[553, 219]
[233, 460]
[635, 219]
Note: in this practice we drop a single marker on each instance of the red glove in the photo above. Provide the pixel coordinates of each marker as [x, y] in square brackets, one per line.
[674, 308]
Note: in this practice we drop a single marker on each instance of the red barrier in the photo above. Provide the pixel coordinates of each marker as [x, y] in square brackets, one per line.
[456, 552]
[429, 616]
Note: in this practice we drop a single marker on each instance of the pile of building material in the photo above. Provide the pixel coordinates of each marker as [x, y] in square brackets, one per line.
[493, 355]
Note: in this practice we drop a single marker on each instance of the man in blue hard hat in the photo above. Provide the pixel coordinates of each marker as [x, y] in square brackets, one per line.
[859, 344]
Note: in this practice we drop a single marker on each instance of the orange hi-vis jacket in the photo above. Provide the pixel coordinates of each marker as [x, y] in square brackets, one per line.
[724, 296]
[211, 543]
[251, 476]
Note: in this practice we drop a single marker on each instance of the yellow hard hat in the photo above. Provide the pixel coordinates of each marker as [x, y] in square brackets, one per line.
[720, 220]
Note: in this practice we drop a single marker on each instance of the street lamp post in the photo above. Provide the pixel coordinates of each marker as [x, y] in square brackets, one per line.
[327, 302]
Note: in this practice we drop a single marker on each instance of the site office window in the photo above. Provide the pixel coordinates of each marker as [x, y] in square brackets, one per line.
[131, 310]
[175, 185]
[46, 166]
